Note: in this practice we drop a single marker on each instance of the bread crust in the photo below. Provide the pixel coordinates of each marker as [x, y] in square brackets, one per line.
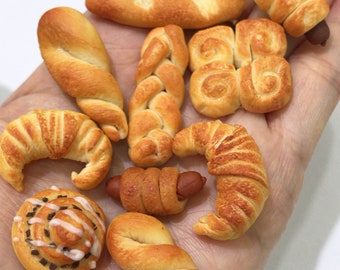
[77, 59]
[58, 228]
[55, 134]
[241, 179]
[191, 14]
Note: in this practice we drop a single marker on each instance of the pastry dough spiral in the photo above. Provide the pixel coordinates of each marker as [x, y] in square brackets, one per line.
[58, 229]
[154, 108]
[138, 241]
[55, 134]
[78, 61]
[230, 68]
[241, 180]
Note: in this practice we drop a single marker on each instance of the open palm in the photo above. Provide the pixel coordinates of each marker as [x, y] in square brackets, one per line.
[286, 138]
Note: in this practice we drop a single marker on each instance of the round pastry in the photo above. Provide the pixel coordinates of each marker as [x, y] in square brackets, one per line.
[58, 229]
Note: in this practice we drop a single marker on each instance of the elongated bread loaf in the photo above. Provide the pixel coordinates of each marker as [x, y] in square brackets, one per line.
[155, 13]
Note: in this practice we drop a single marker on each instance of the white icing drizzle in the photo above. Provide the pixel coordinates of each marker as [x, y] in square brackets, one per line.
[17, 219]
[54, 188]
[67, 226]
[74, 254]
[92, 264]
[16, 239]
[35, 220]
[41, 203]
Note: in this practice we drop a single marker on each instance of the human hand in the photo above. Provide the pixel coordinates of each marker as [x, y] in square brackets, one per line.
[286, 143]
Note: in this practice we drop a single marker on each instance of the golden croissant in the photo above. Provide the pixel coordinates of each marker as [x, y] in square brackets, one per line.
[55, 134]
[241, 179]
[76, 57]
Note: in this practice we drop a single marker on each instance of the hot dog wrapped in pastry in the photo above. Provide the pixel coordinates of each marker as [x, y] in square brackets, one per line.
[154, 108]
[300, 17]
[241, 179]
[155, 191]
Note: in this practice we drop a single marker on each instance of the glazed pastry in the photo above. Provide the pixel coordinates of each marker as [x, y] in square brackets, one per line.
[184, 13]
[297, 17]
[138, 241]
[154, 108]
[154, 191]
[55, 134]
[78, 61]
[58, 229]
[237, 69]
[241, 180]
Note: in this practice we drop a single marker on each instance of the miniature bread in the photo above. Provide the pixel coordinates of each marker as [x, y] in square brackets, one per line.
[58, 229]
[78, 61]
[192, 14]
[55, 134]
[242, 68]
[154, 108]
[138, 241]
[154, 191]
[297, 17]
[241, 180]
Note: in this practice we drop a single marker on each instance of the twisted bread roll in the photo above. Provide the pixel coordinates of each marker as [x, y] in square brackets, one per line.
[58, 229]
[155, 191]
[154, 108]
[54, 134]
[184, 13]
[78, 61]
[138, 241]
[235, 159]
[262, 82]
[298, 16]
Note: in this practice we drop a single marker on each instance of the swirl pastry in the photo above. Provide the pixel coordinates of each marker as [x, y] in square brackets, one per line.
[154, 108]
[184, 13]
[54, 134]
[78, 61]
[138, 241]
[245, 68]
[241, 180]
[58, 229]
[297, 17]
[155, 191]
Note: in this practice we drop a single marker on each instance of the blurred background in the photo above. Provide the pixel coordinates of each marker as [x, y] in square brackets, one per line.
[312, 238]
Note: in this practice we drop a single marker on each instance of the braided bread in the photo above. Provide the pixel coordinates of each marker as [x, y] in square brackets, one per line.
[54, 134]
[138, 241]
[78, 61]
[235, 159]
[154, 108]
[155, 191]
[58, 229]
[297, 17]
[262, 82]
[184, 13]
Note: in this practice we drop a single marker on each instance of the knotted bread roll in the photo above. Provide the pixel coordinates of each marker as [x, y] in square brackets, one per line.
[241, 180]
[78, 61]
[55, 134]
[58, 229]
[298, 16]
[245, 68]
[138, 241]
[154, 108]
[156, 13]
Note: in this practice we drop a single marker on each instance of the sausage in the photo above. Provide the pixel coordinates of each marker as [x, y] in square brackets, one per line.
[319, 34]
[189, 183]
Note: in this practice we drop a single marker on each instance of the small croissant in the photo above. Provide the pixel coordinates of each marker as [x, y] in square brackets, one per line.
[76, 57]
[242, 186]
[55, 134]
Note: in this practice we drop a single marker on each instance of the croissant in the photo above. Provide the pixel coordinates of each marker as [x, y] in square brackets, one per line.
[241, 180]
[297, 17]
[54, 134]
[154, 191]
[58, 229]
[78, 61]
[245, 68]
[139, 241]
[154, 108]
[184, 13]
